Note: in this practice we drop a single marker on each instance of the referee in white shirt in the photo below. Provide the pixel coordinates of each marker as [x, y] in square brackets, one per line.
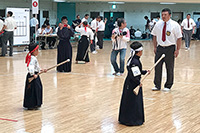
[34, 26]
[93, 26]
[9, 26]
[100, 31]
[1, 30]
[188, 26]
[167, 38]
[85, 18]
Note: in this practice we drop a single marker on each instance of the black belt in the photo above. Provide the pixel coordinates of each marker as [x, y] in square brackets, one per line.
[166, 46]
[100, 31]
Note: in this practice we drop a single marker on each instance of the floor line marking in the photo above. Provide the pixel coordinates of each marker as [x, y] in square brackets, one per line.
[8, 120]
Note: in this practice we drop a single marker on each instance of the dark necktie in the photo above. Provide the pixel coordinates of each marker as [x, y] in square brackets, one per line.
[188, 24]
[164, 32]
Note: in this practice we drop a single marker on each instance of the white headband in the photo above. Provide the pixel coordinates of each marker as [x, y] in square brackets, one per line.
[139, 49]
[133, 53]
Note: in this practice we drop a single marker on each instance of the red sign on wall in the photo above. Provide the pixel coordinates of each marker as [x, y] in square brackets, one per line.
[35, 5]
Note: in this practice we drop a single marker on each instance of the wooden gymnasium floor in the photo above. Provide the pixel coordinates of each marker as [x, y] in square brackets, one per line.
[87, 99]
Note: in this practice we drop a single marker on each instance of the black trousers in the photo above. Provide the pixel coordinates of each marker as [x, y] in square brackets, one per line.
[82, 51]
[1, 36]
[7, 36]
[92, 46]
[198, 34]
[51, 41]
[41, 41]
[100, 35]
[169, 62]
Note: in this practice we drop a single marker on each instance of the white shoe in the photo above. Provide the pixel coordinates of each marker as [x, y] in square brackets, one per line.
[94, 52]
[166, 89]
[188, 48]
[155, 89]
[97, 47]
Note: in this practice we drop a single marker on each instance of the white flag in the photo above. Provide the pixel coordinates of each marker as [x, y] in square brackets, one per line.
[35, 5]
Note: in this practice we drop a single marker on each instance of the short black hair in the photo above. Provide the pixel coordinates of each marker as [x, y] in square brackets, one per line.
[48, 24]
[32, 46]
[120, 21]
[86, 15]
[85, 23]
[167, 10]
[43, 26]
[100, 17]
[34, 15]
[188, 14]
[64, 17]
[145, 17]
[135, 45]
[158, 16]
[77, 15]
[10, 13]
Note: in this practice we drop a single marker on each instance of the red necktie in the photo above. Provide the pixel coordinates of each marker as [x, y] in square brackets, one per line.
[188, 24]
[164, 32]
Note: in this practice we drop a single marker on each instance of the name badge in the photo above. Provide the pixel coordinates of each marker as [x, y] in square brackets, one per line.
[136, 71]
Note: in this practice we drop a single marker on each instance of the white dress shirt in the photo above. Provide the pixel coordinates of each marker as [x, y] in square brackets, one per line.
[10, 24]
[84, 20]
[120, 43]
[1, 24]
[152, 23]
[34, 22]
[94, 24]
[173, 32]
[159, 20]
[138, 34]
[33, 66]
[101, 26]
[39, 32]
[87, 33]
[185, 24]
[48, 30]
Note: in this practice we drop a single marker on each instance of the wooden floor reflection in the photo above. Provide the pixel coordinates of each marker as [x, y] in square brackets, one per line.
[87, 99]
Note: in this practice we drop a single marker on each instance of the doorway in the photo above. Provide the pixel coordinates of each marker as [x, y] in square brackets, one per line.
[111, 18]
[177, 16]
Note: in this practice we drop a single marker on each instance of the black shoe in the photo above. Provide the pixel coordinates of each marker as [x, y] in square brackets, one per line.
[33, 108]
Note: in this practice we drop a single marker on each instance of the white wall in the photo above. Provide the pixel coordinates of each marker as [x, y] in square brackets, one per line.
[135, 12]
[46, 5]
